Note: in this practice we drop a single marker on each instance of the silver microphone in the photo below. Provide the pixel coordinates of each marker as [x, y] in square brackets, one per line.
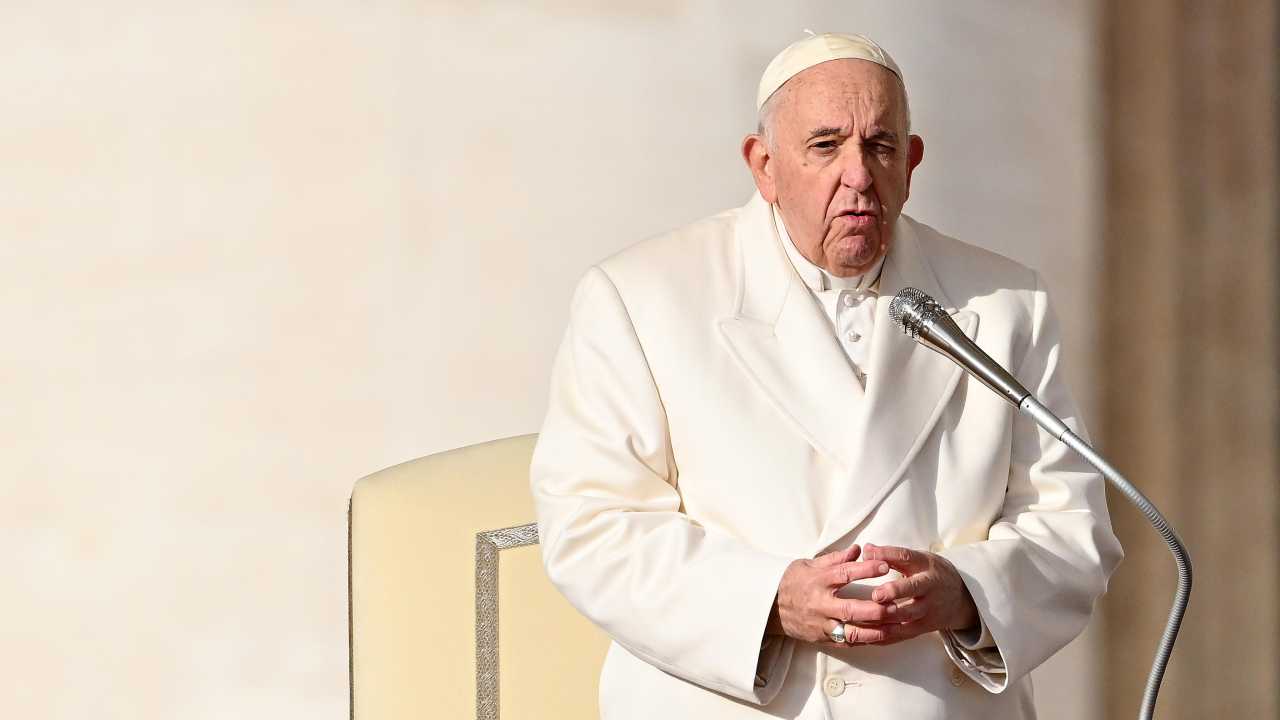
[925, 321]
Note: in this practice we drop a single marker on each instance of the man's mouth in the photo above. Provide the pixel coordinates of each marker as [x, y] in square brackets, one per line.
[858, 218]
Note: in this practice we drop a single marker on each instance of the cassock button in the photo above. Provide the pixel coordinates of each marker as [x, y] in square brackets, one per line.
[833, 686]
[848, 300]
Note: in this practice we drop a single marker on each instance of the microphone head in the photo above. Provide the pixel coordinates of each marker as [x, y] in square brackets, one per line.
[911, 308]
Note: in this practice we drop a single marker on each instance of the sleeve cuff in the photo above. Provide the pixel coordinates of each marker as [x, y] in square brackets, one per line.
[774, 659]
[974, 650]
[769, 652]
[975, 638]
[985, 667]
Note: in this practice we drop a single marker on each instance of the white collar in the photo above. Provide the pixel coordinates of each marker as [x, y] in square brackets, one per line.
[816, 278]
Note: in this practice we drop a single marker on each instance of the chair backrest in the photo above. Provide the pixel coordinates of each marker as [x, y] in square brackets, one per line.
[451, 613]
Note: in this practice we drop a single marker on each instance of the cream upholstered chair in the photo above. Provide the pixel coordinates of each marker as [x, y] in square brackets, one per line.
[442, 553]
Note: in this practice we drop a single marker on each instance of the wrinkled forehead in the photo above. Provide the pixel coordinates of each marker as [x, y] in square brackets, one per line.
[843, 91]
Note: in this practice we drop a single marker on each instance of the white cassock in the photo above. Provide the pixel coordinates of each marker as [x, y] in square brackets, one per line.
[706, 426]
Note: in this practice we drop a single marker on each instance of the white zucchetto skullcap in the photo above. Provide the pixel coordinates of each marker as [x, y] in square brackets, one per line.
[803, 54]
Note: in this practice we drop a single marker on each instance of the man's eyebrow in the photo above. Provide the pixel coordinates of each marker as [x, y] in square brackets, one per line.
[819, 132]
[883, 134]
[876, 134]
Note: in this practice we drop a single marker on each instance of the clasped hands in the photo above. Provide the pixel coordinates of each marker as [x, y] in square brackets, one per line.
[930, 596]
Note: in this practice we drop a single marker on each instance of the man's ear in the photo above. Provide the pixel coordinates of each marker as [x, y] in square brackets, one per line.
[915, 155]
[756, 152]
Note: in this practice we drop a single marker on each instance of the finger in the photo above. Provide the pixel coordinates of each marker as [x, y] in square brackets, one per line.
[860, 635]
[908, 587]
[861, 611]
[890, 641]
[910, 611]
[845, 573]
[897, 633]
[828, 627]
[839, 556]
[904, 560]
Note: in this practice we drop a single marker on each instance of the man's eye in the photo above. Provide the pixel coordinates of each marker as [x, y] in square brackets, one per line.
[824, 146]
[882, 149]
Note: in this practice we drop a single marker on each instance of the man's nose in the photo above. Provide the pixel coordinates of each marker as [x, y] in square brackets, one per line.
[856, 174]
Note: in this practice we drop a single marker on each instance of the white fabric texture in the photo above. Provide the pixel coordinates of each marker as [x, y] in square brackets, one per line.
[704, 428]
[849, 303]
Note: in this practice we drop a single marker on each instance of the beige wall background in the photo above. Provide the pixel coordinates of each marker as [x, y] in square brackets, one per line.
[254, 251]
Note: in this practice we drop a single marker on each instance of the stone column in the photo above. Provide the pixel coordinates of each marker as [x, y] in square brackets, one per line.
[1188, 361]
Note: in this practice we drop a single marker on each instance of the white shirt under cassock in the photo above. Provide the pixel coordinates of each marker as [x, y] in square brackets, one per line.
[849, 302]
[850, 306]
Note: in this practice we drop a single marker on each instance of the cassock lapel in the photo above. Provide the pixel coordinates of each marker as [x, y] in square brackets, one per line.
[783, 341]
[908, 386]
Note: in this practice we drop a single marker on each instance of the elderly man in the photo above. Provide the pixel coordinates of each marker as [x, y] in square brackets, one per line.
[774, 502]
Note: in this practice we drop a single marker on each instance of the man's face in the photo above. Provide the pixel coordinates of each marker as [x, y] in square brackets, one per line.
[840, 163]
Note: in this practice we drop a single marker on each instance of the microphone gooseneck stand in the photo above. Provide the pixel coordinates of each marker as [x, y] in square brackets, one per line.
[922, 318]
[1051, 423]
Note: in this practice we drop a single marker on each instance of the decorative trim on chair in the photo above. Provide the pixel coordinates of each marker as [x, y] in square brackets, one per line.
[351, 628]
[488, 543]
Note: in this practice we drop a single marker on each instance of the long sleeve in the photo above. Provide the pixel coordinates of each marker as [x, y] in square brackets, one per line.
[614, 537]
[1049, 555]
